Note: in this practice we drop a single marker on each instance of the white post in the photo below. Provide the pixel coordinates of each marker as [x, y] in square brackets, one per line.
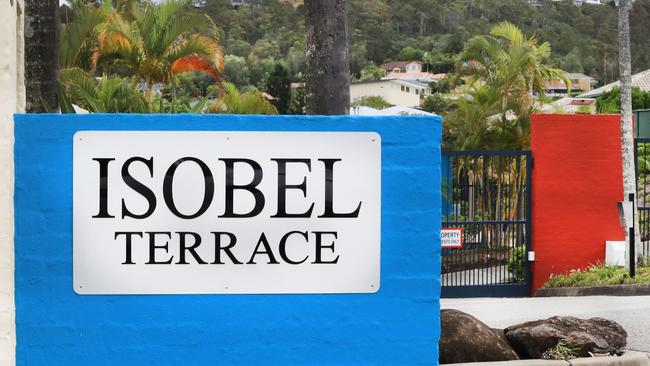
[12, 100]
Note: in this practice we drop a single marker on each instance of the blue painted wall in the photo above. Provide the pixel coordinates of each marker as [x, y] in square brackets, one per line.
[399, 325]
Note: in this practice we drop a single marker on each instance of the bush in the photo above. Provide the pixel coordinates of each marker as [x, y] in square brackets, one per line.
[516, 263]
[373, 101]
[435, 103]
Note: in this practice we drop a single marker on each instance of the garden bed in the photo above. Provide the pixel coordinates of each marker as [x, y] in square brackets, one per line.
[598, 280]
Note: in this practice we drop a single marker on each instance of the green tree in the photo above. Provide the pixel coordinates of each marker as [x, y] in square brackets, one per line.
[371, 72]
[236, 70]
[279, 86]
[610, 102]
[409, 53]
[440, 62]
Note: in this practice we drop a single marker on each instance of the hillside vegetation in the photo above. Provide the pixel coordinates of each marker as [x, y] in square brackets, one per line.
[583, 38]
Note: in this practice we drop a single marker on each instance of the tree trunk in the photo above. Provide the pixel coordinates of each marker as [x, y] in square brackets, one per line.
[327, 79]
[627, 138]
[41, 54]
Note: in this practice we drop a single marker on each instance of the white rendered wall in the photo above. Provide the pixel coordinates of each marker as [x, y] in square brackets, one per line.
[390, 90]
[12, 100]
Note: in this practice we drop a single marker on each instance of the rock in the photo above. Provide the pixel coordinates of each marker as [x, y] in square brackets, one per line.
[596, 335]
[466, 339]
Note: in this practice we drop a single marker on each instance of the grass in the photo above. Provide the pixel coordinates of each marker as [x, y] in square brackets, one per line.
[599, 275]
[561, 351]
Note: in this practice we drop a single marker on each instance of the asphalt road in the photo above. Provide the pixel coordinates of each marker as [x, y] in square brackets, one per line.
[632, 312]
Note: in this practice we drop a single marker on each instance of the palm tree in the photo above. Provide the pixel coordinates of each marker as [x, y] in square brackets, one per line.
[514, 65]
[155, 42]
[79, 34]
[327, 78]
[234, 102]
[627, 138]
[105, 95]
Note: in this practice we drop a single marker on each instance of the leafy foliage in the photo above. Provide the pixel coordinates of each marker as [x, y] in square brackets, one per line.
[505, 76]
[234, 102]
[371, 72]
[112, 94]
[279, 86]
[372, 101]
[155, 42]
[435, 103]
[599, 275]
[561, 351]
[610, 102]
[584, 38]
[516, 263]
[297, 105]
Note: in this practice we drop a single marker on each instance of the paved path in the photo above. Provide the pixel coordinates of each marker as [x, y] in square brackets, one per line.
[632, 312]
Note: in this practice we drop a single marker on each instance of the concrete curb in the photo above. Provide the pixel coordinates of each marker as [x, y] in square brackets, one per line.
[630, 358]
[613, 290]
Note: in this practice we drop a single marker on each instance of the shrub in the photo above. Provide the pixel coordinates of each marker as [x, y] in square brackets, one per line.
[598, 275]
[372, 101]
[435, 103]
[516, 263]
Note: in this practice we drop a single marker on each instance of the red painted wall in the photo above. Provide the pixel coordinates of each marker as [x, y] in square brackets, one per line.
[576, 185]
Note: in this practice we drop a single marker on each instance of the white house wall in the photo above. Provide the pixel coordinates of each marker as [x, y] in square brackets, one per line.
[390, 90]
[12, 99]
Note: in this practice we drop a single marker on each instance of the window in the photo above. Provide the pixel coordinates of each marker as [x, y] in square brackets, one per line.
[417, 91]
[408, 90]
[402, 87]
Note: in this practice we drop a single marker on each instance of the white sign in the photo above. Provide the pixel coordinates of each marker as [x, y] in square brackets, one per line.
[226, 212]
[451, 238]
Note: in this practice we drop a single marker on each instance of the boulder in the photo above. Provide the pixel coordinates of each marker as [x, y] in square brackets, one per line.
[466, 339]
[596, 335]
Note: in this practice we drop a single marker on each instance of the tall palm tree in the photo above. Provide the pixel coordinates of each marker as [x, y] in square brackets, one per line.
[327, 78]
[41, 54]
[155, 42]
[627, 138]
[514, 65]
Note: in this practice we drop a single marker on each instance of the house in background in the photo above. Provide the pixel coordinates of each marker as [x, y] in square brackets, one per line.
[397, 67]
[409, 71]
[640, 80]
[570, 105]
[406, 93]
[580, 84]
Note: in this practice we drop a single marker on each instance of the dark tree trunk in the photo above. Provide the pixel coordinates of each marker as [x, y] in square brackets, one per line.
[41, 54]
[327, 79]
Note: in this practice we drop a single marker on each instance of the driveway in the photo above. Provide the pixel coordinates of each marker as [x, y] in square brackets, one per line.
[480, 276]
[632, 312]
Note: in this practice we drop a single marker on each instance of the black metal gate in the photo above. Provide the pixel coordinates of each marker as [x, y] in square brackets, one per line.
[487, 195]
[643, 192]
